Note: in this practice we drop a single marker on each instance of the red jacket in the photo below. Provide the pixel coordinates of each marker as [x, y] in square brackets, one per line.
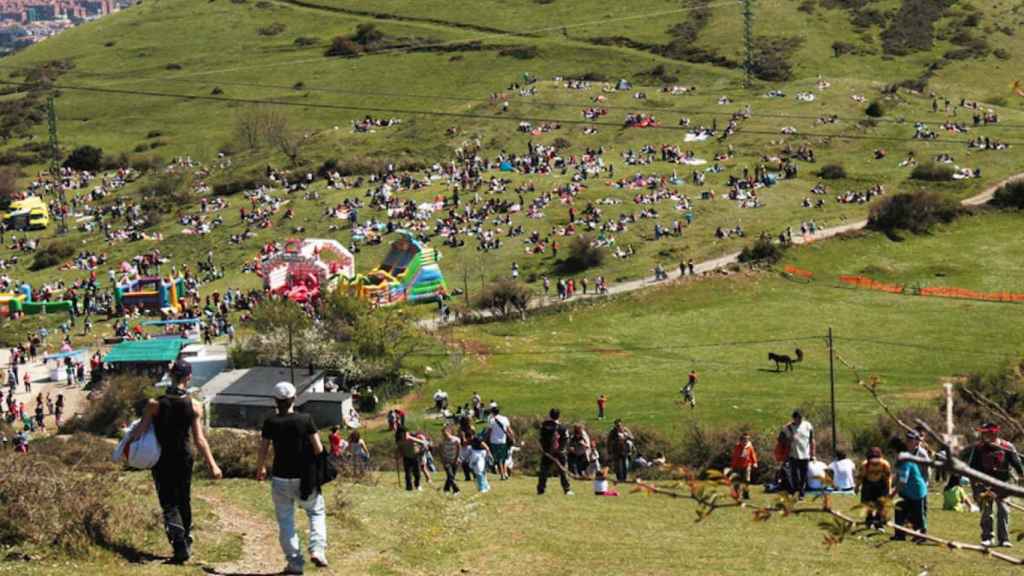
[743, 456]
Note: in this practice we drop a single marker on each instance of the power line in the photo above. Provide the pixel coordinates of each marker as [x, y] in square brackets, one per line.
[464, 115]
[540, 103]
[927, 347]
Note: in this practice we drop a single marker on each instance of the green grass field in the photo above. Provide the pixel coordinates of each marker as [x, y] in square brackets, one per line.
[381, 530]
[132, 51]
[637, 349]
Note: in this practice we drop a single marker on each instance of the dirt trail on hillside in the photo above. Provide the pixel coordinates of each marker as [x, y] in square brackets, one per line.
[261, 553]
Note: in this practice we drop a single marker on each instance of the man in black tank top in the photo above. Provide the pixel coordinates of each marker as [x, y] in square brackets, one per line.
[174, 417]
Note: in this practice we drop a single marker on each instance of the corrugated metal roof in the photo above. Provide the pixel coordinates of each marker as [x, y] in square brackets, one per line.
[142, 351]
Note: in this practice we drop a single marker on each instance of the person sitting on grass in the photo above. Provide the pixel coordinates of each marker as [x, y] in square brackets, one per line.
[601, 487]
[955, 497]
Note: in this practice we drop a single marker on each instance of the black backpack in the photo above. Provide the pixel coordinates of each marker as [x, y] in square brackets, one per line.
[552, 437]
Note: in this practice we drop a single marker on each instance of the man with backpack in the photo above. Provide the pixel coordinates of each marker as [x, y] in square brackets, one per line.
[297, 445]
[995, 457]
[554, 440]
[620, 444]
[174, 417]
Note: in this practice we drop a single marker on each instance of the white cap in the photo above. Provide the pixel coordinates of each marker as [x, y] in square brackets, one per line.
[284, 391]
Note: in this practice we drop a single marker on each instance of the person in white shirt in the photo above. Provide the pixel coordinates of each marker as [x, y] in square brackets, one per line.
[799, 433]
[844, 471]
[499, 437]
[816, 471]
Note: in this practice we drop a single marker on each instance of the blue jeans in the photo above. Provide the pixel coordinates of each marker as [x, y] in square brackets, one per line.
[285, 492]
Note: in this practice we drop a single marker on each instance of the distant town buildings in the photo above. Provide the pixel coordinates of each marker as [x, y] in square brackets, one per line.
[25, 22]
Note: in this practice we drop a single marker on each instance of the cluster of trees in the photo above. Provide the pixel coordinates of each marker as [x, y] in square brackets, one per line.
[264, 125]
[361, 343]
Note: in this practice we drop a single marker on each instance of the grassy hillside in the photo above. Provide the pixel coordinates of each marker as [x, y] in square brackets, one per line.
[637, 349]
[195, 91]
[378, 529]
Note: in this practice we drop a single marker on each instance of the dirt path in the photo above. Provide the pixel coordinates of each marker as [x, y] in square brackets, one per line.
[978, 199]
[261, 553]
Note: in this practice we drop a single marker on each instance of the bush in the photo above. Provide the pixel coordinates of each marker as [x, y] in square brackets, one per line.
[916, 212]
[505, 297]
[931, 172]
[1009, 195]
[772, 55]
[832, 172]
[173, 66]
[58, 497]
[875, 109]
[85, 158]
[305, 41]
[234, 451]
[583, 254]
[121, 400]
[520, 52]
[343, 47]
[52, 254]
[762, 250]
[1001, 53]
[367, 35]
[272, 30]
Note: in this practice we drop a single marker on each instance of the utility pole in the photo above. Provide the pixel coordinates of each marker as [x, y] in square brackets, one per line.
[832, 389]
[291, 356]
[465, 283]
[51, 112]
[748, 40]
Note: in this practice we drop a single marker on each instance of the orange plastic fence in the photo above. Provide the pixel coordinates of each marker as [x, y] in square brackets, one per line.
[865, 282]
[936, 291]
[949, 292]
[790, 269]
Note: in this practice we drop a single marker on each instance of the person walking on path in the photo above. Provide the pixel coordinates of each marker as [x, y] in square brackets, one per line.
[451, 453]
[409, 448]
[602, 400]
[296, 444]
[799, 434]
[742, 462]
[620, 440]
[912, 488]
[499, 436]
[995, 457]
[174, 417]
[874, 483]
[554, 439]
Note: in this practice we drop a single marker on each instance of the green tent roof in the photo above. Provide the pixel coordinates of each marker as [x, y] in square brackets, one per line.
[156, 350]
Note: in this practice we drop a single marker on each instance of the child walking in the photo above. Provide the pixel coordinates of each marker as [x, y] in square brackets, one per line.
[479, 454]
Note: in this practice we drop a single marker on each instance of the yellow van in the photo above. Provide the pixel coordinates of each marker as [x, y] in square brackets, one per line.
[28, 214]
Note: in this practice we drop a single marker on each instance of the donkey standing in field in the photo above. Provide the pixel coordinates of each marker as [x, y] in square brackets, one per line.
[785, 360]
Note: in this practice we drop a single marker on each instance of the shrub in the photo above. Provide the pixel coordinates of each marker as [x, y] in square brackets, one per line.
[762, 250]
[875, 109]
[840, 48]
[1010, 195]
[85, 158]
[931, 172]
[912, 28]
[173, 66]
[1001, 53]
[520, 52]
[916, 212]
[771, 57]
[272, 29]
[121, 400]
[305, 41]
[505, 297]
[367, 35]
[52, 501]
[154, 134]
[583, 254]
[832, 172]
[343, 47]
[234, 451]
[561, 143]
[52, 254]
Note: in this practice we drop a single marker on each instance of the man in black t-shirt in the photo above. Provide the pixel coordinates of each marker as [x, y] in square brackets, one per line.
[296, 442]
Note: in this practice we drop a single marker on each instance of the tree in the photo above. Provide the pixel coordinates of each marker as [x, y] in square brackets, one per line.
[267, 125]
[283, 334]
[377, 339]
[505, 297]
[85, 158]
[8, 184]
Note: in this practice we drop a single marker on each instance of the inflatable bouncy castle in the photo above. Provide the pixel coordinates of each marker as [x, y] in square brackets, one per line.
[306, 268]
[409, 273]
[150, 293]
[20, 301]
